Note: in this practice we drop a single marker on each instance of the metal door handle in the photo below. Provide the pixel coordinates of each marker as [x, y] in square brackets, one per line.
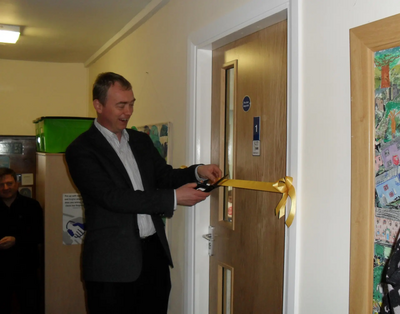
[210, 238]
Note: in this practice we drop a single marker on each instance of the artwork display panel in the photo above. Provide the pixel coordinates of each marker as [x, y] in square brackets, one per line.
[387, 163]
[365, 41]
[159, 134]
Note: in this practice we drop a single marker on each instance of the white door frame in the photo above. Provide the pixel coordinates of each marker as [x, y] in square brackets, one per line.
[254, 15]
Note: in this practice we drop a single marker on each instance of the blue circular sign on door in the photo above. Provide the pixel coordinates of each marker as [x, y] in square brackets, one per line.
[246, 103]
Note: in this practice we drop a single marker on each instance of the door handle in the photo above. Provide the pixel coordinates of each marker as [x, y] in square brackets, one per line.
[210, 238]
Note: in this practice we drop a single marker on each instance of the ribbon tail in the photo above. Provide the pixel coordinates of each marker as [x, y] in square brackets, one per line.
[280, 208]
[292, 213]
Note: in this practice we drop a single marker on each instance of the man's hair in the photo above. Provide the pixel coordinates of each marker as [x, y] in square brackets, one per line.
[104, 81]
[7, 171]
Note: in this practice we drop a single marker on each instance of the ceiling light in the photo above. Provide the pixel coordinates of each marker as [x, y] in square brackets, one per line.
[9, 34]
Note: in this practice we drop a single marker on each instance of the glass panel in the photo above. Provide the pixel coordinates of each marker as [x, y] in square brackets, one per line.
[229, 116]
[226, 292]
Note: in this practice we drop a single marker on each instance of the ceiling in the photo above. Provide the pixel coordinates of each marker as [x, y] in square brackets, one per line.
[71, 31]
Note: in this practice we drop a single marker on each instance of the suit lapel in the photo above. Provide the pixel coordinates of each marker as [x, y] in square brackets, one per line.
[102, 145]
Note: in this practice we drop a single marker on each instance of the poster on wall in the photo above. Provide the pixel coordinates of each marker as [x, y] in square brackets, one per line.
[72, 219]
[387, 163]
[159, 135]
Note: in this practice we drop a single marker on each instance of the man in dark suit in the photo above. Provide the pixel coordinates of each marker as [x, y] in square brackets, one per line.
[127, 188]
[21, 234]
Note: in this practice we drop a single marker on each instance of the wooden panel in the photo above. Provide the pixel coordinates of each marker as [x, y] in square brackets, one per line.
[364, 41]
[379, 35]
[254, 248]
[64, 292]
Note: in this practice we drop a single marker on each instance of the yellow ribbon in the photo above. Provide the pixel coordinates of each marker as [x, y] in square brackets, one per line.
[284, 186]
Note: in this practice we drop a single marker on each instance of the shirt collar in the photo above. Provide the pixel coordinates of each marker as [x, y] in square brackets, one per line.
[108, 134]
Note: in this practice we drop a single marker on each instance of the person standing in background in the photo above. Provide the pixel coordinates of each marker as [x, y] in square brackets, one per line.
[21, 233]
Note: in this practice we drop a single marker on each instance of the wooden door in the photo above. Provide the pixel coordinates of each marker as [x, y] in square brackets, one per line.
[249, 83]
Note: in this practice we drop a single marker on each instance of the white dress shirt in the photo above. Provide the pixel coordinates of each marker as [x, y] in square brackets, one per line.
[124, 152]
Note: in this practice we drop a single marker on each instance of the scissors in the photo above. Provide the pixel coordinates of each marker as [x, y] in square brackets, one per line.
[206, 187]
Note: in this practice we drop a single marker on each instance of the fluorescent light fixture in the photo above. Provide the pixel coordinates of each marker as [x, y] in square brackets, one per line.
[9, 34]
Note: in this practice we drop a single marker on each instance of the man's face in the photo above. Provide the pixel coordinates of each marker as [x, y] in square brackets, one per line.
[8, 187]
[115, 113]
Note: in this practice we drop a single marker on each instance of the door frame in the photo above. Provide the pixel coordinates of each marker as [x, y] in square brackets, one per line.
[254, 15]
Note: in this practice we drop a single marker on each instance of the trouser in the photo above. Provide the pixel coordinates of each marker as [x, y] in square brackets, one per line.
[149, 294]
[26, 289]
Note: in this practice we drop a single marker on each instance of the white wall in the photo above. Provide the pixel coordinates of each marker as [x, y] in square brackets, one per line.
[154, 58]
[325, 148]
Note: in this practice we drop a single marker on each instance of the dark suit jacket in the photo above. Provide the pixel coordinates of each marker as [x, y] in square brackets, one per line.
[24, 221]
[112, 248]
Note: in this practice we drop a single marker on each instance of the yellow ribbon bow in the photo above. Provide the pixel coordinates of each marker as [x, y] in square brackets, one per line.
[284, 186]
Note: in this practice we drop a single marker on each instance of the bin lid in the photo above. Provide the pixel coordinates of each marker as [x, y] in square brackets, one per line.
[61, 117]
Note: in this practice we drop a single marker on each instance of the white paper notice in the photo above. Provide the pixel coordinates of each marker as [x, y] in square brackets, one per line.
[27, 179]
[73, 221]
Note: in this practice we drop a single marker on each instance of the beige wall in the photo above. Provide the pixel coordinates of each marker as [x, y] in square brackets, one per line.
[29, 90]
[154, 60]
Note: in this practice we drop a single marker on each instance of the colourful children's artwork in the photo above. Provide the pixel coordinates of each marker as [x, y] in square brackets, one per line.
[159, 135]
[387, 163]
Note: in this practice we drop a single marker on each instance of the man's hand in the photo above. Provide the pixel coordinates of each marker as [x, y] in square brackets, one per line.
[187, 195]
[211, 172]
[7, 242]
